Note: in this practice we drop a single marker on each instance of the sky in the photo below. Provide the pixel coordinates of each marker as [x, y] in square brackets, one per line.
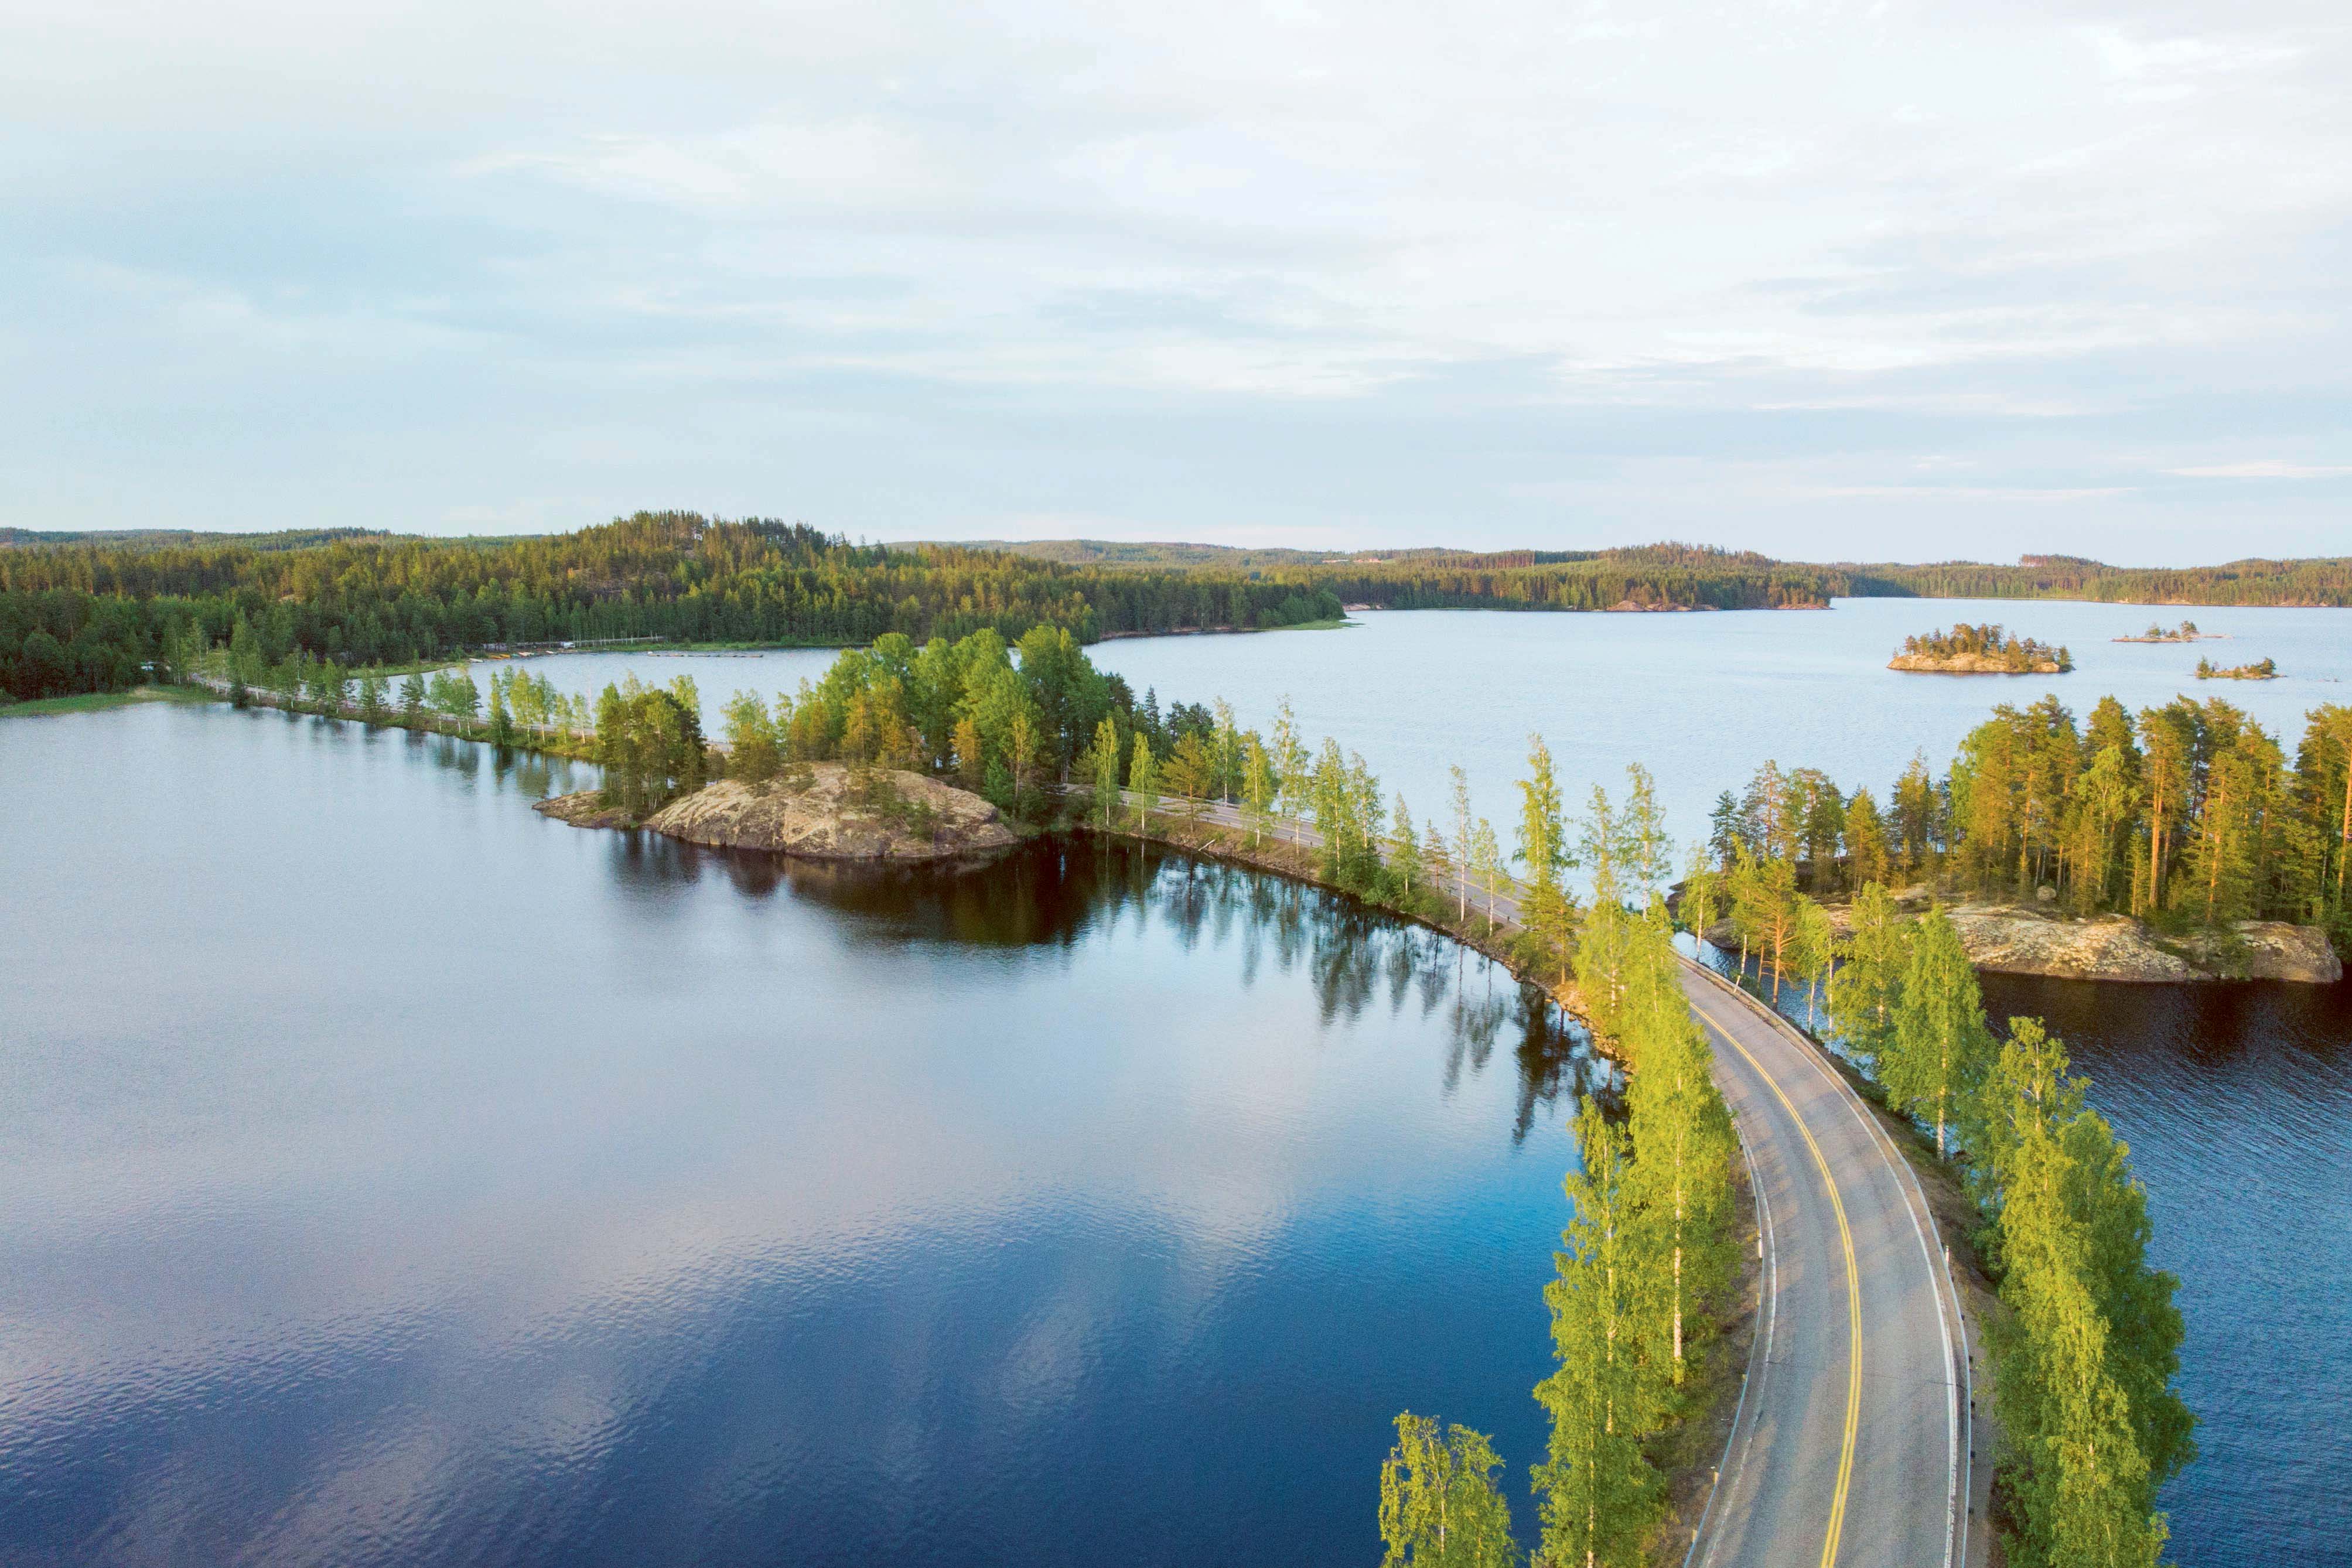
[1831, 281]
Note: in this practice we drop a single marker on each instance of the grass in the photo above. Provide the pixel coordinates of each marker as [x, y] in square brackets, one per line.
[1333, 625]
[95, 702]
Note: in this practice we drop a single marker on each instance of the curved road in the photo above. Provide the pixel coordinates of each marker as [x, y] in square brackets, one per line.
[1851, 1442]
[1850, 1445]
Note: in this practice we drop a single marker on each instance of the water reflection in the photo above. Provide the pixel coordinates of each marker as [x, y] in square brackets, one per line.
[443, 1182]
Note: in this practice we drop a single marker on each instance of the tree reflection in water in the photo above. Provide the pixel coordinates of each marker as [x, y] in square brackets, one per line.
[1053, 893]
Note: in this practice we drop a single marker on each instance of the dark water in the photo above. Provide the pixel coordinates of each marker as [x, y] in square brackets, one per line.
[2237, 1102]
[388, 1175]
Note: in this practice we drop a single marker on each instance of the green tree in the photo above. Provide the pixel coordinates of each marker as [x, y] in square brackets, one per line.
[1260, 786]
[1143, 783]
[1702, 898]
[1192, 772]
[1459, 795]
[412, 697]
[371, 694]
[1102, 772]
[1868, 997]
[1599, 1492]
[1404, 851]
[1941, 1047]
[1867, 855]
[1682, 1142]
[1546, 908]
[1439, 1505]
[1487, 864]
[753, 755]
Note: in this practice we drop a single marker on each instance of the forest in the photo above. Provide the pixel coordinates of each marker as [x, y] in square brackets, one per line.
[2188, 815]
[1401, 579]
[83, 616]
[91, 611]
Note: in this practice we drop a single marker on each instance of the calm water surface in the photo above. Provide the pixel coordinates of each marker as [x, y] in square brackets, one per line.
[1699, 699]
[389, 1175]
[385, 1164]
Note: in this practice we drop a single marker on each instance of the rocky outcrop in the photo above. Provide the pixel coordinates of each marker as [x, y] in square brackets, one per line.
[2117, 948]
[2112, 947]
[1970, 665]
[2017, 941]
[821, 810]
[2270, 950]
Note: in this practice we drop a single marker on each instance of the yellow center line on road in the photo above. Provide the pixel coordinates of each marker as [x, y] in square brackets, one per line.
[1852, 1296]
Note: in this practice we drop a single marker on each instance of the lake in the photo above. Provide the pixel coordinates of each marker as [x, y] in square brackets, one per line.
[391, 1175]
[379, 1155]
[1698, 699]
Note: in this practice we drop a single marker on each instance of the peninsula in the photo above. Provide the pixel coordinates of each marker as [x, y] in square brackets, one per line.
[1979, 651]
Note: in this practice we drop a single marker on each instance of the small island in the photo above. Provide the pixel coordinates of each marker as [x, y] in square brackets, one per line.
[2185, 633]
[1984, 650]
[2259, 670]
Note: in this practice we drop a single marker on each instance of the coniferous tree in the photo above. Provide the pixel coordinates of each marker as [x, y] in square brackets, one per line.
[1867, 857]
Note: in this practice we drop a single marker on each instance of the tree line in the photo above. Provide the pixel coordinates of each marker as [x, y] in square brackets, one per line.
[87, 616]
[1646, 1277]
[2186, 815]
[2087, 1341]
[94, 612]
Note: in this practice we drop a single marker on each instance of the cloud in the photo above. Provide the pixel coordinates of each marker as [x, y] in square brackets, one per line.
[1048, 254]
[2265, 469]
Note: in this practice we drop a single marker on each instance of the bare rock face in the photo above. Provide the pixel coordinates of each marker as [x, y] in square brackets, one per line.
[822, 810]
[2271, 950]
[2112, 947]
[833, 811]
[2033, 941]
[2117, 948]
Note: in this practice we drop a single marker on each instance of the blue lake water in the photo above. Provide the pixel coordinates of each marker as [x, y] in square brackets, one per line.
[391, 1175]
[388, 1173]
[1699, 699]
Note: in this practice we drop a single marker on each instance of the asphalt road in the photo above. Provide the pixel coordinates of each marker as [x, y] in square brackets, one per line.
[1851, 1443]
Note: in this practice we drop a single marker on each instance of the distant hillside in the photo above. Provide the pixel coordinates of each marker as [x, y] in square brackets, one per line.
[138, 541]
[1185, 557]
[1425, 577]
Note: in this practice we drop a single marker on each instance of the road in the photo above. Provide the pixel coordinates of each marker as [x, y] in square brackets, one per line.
[1851, 1446]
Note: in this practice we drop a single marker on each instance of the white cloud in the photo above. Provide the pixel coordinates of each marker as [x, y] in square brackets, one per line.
[2265, 469]
[1906, 230]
